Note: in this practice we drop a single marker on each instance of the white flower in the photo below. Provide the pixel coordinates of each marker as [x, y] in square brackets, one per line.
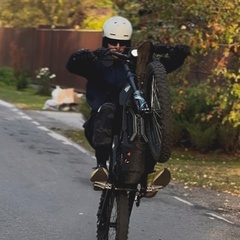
[44, 73]
[52, 76]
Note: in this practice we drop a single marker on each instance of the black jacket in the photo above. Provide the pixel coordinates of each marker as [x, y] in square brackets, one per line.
[105, 82]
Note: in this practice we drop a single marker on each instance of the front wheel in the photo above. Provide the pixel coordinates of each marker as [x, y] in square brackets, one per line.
[113, 216]
[159, 124]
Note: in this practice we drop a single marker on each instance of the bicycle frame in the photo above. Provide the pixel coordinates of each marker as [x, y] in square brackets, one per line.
[127, 169]
[132, 135]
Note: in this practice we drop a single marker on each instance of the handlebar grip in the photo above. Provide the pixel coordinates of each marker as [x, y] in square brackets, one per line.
[117, 54]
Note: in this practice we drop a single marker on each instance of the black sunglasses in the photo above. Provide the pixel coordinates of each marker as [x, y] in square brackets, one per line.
[115, 42]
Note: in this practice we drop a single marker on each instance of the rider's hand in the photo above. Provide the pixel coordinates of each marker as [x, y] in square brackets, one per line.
[100, 52]
[182, 49]
[85, 55]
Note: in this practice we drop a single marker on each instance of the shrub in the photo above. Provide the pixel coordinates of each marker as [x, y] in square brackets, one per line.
[18, 55]
[229, 138]
[225, 96]
[207, 116]
[201, 139]
[22, 81]
[44, 79]
[7, 76]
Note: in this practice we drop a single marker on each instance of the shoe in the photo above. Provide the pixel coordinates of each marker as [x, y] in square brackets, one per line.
[100, 174]
[156, 181]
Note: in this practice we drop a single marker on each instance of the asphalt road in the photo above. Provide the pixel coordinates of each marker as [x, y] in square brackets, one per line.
[45, 192]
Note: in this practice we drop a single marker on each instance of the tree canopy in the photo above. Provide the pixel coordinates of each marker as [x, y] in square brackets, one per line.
[32, 13]
[202, 24]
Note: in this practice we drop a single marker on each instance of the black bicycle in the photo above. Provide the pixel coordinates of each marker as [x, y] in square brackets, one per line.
[143, 132]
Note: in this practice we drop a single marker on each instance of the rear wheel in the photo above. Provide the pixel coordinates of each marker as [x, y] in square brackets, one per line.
[113, 216]
[159, 124]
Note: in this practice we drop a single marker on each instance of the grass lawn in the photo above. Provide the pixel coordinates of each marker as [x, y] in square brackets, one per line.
[27, 99]
[213, 170]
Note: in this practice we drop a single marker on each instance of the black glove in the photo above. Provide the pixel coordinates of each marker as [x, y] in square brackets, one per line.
[84, 55]
[183, 49]
[163, 49]
[100, 52]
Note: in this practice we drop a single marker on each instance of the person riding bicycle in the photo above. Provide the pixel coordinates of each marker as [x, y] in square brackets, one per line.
[104, 82]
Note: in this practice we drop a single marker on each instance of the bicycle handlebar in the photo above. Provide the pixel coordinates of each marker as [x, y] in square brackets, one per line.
[137, 95]
[158, 49]
[118, 54]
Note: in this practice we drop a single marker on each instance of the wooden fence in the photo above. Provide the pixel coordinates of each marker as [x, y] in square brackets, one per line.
[47, 48]
[52, 47]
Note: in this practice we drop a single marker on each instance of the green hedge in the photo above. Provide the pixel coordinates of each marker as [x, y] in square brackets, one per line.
[206, 117]
[7, 76]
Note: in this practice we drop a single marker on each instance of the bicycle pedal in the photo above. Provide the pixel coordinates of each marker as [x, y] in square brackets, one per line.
[99, 186]
[151, 191]
[153, 188]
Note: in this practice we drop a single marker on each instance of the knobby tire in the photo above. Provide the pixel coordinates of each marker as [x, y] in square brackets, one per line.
[113, 216]
[159, 124]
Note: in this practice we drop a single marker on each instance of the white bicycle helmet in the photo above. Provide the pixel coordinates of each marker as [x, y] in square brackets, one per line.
[117, 28]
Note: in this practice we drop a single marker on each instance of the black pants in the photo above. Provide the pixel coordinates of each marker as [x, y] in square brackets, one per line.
[99, 131]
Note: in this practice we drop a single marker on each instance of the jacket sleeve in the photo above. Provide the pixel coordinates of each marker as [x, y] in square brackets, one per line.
[81, 63]
[176, 58]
